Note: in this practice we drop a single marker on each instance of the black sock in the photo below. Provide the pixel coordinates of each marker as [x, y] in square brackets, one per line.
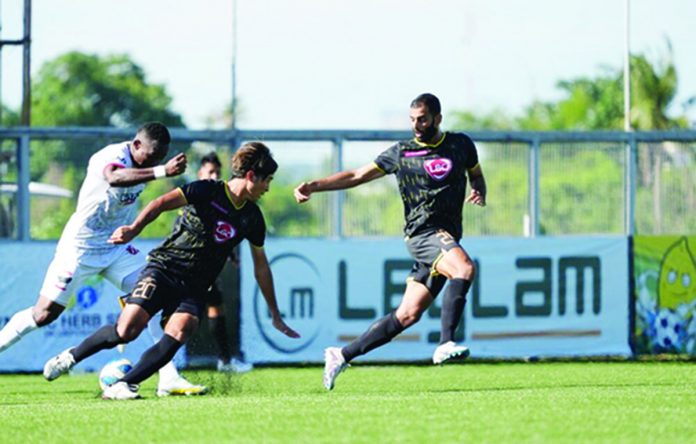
[379, 333]
[217, 329]
[105, 337]
[453, 307]
[152, 360]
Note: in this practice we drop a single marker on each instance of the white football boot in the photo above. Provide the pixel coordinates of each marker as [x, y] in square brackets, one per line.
[121, 391]
[449, 351]
[59, 365]
[179, 386]
[334, 364]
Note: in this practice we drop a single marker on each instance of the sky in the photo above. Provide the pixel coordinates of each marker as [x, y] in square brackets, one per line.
[340, 64]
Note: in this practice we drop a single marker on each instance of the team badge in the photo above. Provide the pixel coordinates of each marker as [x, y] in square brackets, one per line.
[224, 232]
[439, 168]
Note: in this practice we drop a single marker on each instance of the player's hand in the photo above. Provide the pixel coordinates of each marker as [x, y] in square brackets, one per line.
[302, 192]
[123, 235]
[476, 198]
[282, 327]
[176, 165]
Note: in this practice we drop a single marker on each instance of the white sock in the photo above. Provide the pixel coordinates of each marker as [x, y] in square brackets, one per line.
[19, 325]
[169, 371]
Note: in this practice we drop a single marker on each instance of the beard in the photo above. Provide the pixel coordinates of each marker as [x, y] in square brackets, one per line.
[428, 134]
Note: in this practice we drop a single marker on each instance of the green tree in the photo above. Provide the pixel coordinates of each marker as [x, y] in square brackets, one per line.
[284, 217]
[596, 103]
[91, 90]
[10, 117]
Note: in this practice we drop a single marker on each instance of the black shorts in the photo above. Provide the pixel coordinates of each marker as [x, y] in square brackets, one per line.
[213, 296]
[427, 248]
[156, 291]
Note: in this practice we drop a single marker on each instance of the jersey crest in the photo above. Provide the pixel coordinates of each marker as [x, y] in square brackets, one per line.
[438, 168]
[224, 231]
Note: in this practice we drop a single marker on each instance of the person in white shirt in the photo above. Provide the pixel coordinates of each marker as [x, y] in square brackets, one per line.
[116, 175]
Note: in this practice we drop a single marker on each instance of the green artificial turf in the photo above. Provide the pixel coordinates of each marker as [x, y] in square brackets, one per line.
[473, 402]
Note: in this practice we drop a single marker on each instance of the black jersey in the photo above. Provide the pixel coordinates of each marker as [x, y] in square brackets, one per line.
[432, 180]
[207, 231]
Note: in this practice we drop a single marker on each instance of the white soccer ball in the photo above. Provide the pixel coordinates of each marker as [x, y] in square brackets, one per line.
[670, 330]
[113, 371]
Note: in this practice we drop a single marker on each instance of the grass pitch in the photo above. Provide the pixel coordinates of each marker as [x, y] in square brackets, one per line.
[473, 402]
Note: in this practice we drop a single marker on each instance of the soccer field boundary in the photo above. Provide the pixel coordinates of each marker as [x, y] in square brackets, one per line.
[470, 361]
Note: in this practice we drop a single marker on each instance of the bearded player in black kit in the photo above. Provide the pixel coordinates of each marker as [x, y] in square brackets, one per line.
[431, 171]
[217, 216]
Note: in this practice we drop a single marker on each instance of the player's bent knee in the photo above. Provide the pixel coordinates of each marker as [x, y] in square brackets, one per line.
[181, 327]
[465, 270]
[214, 311]
[469, 270]
[409, 317]
[128, 331]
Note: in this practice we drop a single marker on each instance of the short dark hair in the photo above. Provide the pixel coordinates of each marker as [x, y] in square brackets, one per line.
[256, 157]
[156, 132]
[213, 158]
[430, 101]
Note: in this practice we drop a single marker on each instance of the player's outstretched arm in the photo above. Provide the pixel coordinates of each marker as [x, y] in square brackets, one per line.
[264, 277]
[478, 187]
[126, 177]
[167, 202]
[338, 181]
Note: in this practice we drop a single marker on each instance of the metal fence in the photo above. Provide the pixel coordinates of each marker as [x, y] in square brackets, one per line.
[539, 183]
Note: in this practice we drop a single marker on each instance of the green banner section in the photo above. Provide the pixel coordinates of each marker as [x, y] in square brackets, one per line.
[665, 285]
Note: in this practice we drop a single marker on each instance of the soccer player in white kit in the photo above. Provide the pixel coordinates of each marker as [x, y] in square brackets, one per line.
[116, 176]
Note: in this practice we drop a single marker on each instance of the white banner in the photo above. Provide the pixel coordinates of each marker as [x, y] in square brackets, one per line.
[22, 270]
[566, 296]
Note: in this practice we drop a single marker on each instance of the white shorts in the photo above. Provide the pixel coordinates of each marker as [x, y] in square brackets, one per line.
[68, 271]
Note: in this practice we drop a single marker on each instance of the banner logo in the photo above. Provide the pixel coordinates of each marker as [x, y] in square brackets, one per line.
[298, 303]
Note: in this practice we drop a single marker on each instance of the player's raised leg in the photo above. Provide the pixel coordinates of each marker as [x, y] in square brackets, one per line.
[415, 301]
[131, 322]
[63, 276]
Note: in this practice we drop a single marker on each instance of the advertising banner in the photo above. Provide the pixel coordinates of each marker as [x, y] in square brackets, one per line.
[665, 285]
[565, 296]
[93, 305]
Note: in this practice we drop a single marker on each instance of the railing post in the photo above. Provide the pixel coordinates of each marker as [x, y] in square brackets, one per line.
[533, 229]
[630, 186]
[23, 197]
[339, 196]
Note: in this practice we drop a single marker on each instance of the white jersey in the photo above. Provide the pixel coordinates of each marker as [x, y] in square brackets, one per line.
[101, 208]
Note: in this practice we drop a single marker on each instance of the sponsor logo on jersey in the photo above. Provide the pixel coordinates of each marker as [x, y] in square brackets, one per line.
[439, 168]
[128, 198]
[224, 231]
[415, 153]
[132, 250]
[218, 207]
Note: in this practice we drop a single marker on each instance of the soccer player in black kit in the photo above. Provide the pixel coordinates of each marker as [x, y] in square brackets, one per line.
[431, 170]
[217, 216]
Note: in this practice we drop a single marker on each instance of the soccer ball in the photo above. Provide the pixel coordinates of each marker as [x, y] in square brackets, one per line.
[670, 330]
[113, 371]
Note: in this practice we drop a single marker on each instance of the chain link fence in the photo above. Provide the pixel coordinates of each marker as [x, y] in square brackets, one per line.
[538, 183]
